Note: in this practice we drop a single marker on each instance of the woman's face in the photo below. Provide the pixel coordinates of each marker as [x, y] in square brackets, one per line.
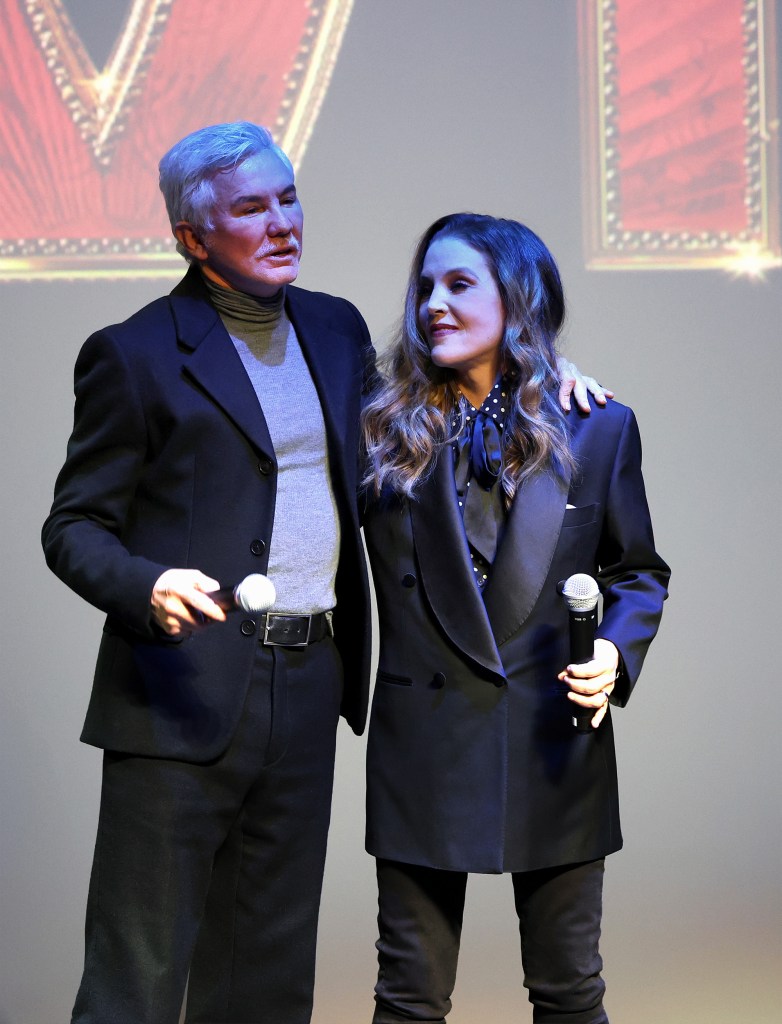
[460, 311]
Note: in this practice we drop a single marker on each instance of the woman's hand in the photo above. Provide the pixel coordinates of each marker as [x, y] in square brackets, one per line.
[575, 383]
[592, 682]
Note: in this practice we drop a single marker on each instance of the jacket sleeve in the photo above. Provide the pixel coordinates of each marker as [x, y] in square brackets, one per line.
[93, 496]
[632, 577]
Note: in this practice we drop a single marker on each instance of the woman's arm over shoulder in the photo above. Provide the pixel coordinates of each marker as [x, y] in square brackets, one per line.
[573, 382]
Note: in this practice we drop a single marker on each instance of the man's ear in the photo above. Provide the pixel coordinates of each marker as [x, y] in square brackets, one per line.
[190, 239]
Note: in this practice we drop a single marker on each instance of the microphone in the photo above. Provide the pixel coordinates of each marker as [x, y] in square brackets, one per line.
[581, 593]
[255, 594]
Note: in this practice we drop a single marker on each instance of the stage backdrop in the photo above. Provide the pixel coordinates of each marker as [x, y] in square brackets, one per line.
[630, 136]
[83, 123]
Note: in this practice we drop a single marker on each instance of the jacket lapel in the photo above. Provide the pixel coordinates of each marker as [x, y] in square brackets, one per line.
[527, 548]
[446, 568]
[326, 353]
[213, 362]
[328, 359]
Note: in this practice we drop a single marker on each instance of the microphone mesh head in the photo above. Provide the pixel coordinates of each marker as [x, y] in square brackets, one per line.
[255, 594]
[581, 592]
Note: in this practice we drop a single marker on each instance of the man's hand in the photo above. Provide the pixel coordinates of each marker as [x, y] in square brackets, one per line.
[575, 383]
[180, 605]
[592, 682]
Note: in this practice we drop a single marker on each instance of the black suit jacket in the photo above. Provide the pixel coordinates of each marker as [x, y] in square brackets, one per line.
[473, 763]
[170, 464]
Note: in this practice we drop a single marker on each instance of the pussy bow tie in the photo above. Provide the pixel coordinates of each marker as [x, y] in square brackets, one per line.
[479, 453]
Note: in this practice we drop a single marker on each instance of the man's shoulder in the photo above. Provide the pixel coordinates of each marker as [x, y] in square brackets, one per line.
[158, 315]
[308, 295]
[155, 312]
[140, 332]
[306, 300]
[310, 310]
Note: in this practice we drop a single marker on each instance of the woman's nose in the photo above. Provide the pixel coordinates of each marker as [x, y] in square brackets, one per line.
[436, 303]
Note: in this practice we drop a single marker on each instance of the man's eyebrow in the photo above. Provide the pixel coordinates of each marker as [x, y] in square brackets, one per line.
[249, 198]
[254, 197]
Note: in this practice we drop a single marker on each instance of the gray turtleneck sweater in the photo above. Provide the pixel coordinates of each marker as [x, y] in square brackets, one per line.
[304, 546]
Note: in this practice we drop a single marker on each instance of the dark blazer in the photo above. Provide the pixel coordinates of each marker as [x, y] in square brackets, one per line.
[170, 464]
[473, 763]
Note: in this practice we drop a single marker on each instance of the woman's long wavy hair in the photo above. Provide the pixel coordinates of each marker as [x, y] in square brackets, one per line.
[408, 417]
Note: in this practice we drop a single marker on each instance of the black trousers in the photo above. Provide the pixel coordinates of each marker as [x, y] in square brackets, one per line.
[238, 844]
[420, 924]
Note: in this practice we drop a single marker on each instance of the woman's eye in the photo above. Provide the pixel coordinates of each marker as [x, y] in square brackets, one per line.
[459, 285]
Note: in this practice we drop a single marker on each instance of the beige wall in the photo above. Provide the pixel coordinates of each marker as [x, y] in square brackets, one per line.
[436, 106]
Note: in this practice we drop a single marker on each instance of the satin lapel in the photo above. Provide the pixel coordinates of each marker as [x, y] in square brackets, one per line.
[214, 364]
[446, 569]
[527, 548]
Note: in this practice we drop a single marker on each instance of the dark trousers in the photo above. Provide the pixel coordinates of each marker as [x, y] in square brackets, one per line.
[420, 923]
[259, 816]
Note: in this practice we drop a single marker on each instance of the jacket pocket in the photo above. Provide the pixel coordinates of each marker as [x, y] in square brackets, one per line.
[389, 677]
[582, 515]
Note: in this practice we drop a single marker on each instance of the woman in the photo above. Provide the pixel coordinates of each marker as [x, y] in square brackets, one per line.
[482, 496]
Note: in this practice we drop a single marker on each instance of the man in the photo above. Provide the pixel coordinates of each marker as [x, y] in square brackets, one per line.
[176, 481]
[216, 434]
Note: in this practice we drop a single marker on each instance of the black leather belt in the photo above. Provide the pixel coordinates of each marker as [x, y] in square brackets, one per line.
[280, 630]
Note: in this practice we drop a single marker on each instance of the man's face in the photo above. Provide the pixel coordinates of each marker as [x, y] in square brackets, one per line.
[255, 243]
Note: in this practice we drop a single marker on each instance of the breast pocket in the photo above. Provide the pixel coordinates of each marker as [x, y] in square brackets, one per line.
[581, 515]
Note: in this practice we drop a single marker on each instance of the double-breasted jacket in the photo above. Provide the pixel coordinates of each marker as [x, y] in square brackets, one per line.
[473, 761]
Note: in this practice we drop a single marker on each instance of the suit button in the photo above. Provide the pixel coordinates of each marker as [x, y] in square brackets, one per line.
[258, 547]
[266, 466]
[408, 580]
[438, 680]
[248, 627]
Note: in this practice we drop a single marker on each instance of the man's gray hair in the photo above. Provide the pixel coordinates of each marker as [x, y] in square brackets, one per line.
[188, 169]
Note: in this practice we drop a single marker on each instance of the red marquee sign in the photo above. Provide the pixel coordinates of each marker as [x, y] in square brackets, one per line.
[681, 133]
[80, 144]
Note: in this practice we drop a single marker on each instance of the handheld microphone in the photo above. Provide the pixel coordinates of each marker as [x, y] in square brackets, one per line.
[255, 594]
[581, 593]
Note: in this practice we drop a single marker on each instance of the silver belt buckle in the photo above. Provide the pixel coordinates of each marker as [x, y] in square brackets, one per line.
[270, 616]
